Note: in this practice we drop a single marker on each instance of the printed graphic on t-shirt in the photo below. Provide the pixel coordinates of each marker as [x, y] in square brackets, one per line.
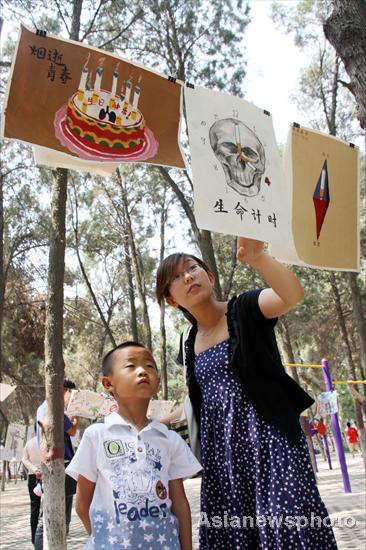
[135, 479]
[139, 516]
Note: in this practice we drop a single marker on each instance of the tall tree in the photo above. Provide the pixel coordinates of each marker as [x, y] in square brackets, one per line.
[52, 438]
[105, 320]
[136, 259]
[325, 78]
[200, 43]
[163, 358]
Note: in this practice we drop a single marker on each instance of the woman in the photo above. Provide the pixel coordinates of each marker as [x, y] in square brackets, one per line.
[258, 483]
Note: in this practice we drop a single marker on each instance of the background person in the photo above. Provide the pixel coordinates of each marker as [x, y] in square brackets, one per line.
[31, 460]
[70, 428]
[352, 435]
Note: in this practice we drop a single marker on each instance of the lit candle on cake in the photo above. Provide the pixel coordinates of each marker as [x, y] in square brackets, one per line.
[98, 80]
[122, 95]
[88, 94]
[120, 107]
[83, 79]
[99, 75]
[114, 87]
[135, 101]
[128, 93]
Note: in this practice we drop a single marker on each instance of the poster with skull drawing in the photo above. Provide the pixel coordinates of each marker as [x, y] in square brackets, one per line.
[238, 180]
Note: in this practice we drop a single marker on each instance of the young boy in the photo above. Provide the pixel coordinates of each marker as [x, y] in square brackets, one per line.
[129, 469]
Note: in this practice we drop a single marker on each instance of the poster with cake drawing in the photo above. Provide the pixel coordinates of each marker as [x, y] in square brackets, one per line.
[89, 107]
[322, 177]
[237, 172]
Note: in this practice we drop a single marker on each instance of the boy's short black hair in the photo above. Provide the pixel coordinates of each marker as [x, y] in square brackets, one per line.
[107, 359]
[349, 424]
[69, 384]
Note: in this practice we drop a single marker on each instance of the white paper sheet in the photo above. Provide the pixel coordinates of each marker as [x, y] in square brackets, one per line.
[238, 178]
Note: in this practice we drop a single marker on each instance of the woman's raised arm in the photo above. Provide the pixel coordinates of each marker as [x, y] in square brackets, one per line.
[285, 289]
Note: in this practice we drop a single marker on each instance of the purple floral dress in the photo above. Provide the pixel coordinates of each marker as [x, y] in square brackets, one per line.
[258, 489]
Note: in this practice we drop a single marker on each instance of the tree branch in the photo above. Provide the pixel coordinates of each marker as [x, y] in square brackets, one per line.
[62, 17]
[135, 18]
[89, 30]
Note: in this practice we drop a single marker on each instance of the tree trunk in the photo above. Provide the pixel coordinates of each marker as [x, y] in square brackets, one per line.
[359, 318]
[204, 241]
[3, 429]
[75, 224]
[52, 436]
[286, 346]
[121, 217]
[351, 366]
[284, 336]
[229, 279]
[346, 31]
[342, 325]
[2, 281]
[140, 279]
[92, 294]
[131, 290]
[305, 428]
[163, 361]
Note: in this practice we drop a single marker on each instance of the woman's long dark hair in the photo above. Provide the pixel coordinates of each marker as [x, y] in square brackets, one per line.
[165, 274]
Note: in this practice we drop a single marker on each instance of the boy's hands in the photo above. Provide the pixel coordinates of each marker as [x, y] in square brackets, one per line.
[248, 250]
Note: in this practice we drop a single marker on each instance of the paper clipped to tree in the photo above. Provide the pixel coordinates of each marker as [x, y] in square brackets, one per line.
[322, 180]
[88, 109]
[238, 178]
[15, 438]
[327, 403]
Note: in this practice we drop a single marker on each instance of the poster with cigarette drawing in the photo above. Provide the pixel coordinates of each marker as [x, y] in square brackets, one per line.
[90, 106]
[237, 172]
[160, 408]
[322, 177]
[90, 404]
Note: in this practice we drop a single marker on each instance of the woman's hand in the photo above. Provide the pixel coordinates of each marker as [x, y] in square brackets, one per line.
[248, 250]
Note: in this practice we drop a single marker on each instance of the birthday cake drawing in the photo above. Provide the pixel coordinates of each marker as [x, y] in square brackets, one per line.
[107, 126]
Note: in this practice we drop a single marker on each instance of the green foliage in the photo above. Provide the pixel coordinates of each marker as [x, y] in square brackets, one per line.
[303, 19]
[195, 41]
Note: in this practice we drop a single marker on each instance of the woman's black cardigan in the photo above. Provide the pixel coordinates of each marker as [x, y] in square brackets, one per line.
[254, 356]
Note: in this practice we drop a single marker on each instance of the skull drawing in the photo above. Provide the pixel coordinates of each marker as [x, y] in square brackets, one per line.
[240, 153]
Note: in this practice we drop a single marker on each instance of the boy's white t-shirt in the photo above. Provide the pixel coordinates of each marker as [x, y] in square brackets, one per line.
[131, 507]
